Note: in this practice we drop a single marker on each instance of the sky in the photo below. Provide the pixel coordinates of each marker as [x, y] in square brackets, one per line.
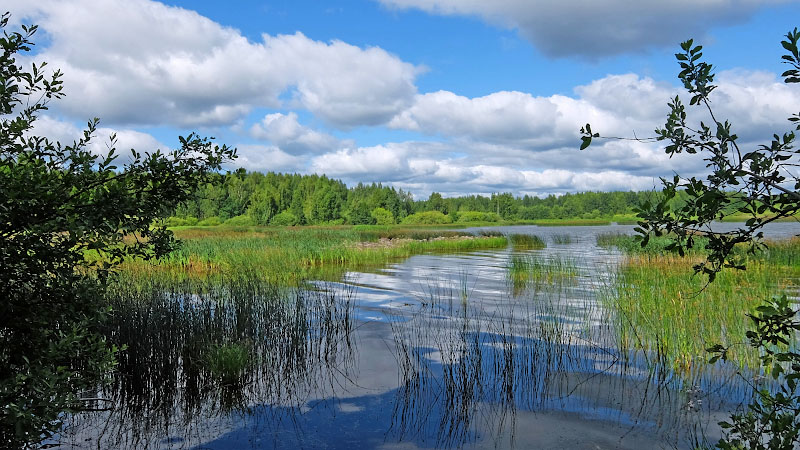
[451, 96]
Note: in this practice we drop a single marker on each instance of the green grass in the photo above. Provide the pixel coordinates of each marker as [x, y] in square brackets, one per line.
[662, 307]
[227, 362]
[562, 239]
[632, 244]
[524, 269]
[526, 242]
[288, 255]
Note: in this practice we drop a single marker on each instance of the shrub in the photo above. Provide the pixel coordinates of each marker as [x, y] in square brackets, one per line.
[284, 219]
[210, 222]
[427, 218]
[174, 222]
[241, 221]
[477, 216]
[382, 216]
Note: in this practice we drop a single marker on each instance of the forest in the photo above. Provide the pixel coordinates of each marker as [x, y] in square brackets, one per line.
[254, 198]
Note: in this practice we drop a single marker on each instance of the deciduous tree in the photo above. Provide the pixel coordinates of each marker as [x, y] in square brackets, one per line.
[67, 218]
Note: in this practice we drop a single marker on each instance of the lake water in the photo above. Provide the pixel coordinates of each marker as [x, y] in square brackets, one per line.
[436, 351]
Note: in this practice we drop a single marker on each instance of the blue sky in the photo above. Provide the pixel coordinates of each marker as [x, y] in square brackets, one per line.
[453, 96]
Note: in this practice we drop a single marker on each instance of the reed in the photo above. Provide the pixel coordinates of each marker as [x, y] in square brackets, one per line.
[562, 239]
[526, 242]
[662, 306]
[289, 255]
[524, 269]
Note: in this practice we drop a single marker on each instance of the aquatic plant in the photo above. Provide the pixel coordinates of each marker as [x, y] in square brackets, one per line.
[562, 239]
[527, 268]
[227, 361]
[661, 305]
[526, 242]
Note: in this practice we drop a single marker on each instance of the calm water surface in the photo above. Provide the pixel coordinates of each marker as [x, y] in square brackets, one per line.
[437, 351]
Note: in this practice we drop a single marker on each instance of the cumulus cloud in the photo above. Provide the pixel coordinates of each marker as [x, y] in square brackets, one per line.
[517, 123]
[521, 120]
[142, 62]
[593, 29]
[125, 139]
[286, 132]
[383, 162]
[266, 158]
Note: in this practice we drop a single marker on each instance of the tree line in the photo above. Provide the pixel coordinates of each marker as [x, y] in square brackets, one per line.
[254, 198]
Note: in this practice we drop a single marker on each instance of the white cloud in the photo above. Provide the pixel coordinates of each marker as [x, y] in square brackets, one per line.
[388, 163]
[265, 158]
[592, 29]
[615, 104]
[286, 132]
[67, 133]
[142, 62]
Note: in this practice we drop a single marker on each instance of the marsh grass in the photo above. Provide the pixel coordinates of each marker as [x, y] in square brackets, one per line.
[227, 361]
[526, 242]
[290, 255]
[562, 239]
[195, 348]
[631, 244]
[530, 268]
[663, 307]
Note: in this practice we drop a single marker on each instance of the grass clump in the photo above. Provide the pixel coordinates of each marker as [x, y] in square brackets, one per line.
[227, 362]
[524, 269]
[286, 256]
[656, 246]
[562, 239]
[664, 308]
[526, 242]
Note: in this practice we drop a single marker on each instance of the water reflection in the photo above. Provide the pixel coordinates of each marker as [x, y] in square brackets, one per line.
[198, 355]
[437, 351]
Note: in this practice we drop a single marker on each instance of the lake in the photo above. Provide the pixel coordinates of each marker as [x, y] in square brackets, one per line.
[435, 351]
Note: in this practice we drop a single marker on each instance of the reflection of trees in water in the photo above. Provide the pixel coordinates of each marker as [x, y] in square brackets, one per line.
[468, 376]
[199, 354]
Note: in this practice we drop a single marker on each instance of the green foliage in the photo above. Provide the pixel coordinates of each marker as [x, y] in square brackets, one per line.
[382, 216]
[760, 184]
[284, 219]
[227, 362]
[772, 420]
[476, 216]
[428, 218]
[526, 242]
[58, 202]
[241, 221]
[317, 200]
[210, 222]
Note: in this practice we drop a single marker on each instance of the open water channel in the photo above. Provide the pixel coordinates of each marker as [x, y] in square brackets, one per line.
[436, 351]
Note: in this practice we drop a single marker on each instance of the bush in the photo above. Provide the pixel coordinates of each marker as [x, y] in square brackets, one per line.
[58, 202]
[427, 218]
[284, 219]
[477, 216]
[382, 216]
[241, 221]
[210, 222]
[174, 222]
